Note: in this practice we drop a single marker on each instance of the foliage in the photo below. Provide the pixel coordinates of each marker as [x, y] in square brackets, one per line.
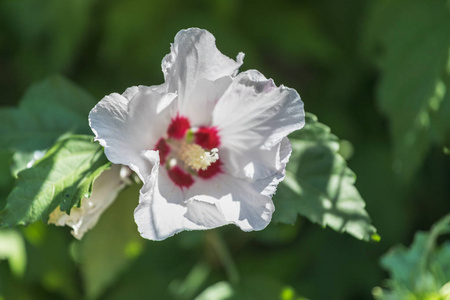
[319, 186]
[49, 109]
[421, 271]
[61, 178]
[414, 88]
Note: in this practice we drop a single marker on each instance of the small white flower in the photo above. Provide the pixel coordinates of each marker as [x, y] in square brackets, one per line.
[209, 144]
[104, 191]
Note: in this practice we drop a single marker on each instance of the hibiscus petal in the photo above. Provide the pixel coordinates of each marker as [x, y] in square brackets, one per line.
[254, 112]
[205, 214]
[250, 208]
[162, 211]
[253, 116]
[194, 56]
[125, 125]
[246, 203]
[202, 99]
[257, 163]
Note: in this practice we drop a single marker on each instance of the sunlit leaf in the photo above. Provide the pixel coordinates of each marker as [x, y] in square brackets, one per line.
[61, 178]
[320, 186]
[414, 89]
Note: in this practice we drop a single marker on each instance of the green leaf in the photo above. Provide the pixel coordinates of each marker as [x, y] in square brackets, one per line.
[414, 90]
[320, 186]
[49, 109]
[61, 178]
[421, 270]
[6, 180]
[103, 256]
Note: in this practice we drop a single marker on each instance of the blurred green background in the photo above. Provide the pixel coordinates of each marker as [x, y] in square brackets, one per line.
[367, 69]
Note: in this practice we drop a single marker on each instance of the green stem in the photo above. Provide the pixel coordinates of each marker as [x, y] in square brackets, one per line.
[224, 255]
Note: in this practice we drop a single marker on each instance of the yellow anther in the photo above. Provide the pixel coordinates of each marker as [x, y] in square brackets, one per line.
[196, 158]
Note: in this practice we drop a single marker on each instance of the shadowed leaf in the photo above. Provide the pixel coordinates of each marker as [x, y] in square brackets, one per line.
[320, 186]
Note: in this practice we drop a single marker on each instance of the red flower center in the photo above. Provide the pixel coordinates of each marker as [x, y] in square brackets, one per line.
[177, 129]
[180, 177]
[189, 152]
[163, 149]
[207, 137]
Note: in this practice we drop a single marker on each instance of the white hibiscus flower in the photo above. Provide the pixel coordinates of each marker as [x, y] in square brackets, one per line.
[208, 144]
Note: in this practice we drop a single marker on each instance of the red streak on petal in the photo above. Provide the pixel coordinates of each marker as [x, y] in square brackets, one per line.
[177, 129]
[207, 137]
[180, 177]
[163, 149]
[212, 170]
